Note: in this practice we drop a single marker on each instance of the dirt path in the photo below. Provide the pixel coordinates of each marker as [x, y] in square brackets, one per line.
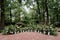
[29, 36]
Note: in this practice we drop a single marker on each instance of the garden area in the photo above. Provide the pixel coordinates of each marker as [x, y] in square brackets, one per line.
[39, 19]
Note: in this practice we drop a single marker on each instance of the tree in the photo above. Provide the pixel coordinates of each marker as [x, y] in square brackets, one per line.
[2, 13]
[46, 11]
[38, 10]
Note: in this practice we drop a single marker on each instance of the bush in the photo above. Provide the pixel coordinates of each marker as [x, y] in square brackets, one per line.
[51, 29]
[12, 29]
[54, 31]
[9, 30]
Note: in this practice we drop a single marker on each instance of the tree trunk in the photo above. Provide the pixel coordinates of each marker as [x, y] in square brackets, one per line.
[57, 17]
[38, 6]
[46, 11]
[38, 10]
[10, 16]
[10, 13]
[2, 14]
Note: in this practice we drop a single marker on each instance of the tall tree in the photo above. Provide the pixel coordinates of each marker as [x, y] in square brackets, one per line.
[46, 12]
[10, 13]
[2, 13]
[38, 10]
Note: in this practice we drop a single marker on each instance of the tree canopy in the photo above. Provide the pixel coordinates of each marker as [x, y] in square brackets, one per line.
[30, 11]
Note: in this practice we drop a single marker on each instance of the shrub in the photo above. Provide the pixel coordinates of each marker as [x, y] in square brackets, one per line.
[9, 30]
[41, 28]
[51, 29]
[54, 31]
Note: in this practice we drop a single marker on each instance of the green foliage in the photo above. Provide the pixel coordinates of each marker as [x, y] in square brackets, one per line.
[54, 32]
[17, 6]
[41, 28]
[9, 30]
[30, 10]
[51, 29]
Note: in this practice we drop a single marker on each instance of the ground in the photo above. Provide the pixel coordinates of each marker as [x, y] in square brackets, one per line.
[29, 36]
